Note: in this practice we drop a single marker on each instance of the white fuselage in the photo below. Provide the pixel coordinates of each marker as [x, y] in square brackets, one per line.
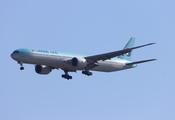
[58, 61]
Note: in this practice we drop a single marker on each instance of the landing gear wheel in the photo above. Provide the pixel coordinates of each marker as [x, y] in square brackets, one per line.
[90, 74]
[83, 72]
[21, 68]
[86, 72]
[70, 77]
[66, 76]
[63, 76]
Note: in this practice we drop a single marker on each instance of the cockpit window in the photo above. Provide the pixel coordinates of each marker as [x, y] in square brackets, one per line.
[16, 51]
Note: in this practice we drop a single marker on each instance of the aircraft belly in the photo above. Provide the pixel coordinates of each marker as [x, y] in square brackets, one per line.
[109, 67]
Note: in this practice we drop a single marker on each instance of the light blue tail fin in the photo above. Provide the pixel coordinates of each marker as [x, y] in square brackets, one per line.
[130, 44]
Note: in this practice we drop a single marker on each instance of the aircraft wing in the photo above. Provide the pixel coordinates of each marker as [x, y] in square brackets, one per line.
[106, 56]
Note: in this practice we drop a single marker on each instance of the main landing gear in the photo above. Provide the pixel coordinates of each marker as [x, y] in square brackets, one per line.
[87, 72]
[66, 75]
[21, 68]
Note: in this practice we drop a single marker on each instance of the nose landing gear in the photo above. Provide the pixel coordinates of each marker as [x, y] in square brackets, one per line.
[21, 68]
[21, 64]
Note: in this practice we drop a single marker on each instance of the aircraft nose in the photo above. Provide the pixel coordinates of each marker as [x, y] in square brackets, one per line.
[12, 55]
[15, 55]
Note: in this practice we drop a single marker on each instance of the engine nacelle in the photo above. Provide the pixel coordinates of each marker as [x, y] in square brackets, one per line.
[42, 69]
[79, 62]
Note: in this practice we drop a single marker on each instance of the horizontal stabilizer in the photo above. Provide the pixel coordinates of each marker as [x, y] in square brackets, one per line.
[138, 62]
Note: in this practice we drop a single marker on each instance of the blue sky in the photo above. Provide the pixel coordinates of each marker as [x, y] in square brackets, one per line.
[88, 27]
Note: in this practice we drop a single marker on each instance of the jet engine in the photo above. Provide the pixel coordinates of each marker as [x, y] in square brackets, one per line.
[79, 62]
[42, 69]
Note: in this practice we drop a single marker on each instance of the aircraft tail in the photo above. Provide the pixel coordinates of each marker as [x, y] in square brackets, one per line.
[130, 44]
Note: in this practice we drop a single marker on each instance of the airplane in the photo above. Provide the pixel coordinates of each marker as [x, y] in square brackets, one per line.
[47, 60]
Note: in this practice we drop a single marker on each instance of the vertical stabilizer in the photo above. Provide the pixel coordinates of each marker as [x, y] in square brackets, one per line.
[130, 44]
